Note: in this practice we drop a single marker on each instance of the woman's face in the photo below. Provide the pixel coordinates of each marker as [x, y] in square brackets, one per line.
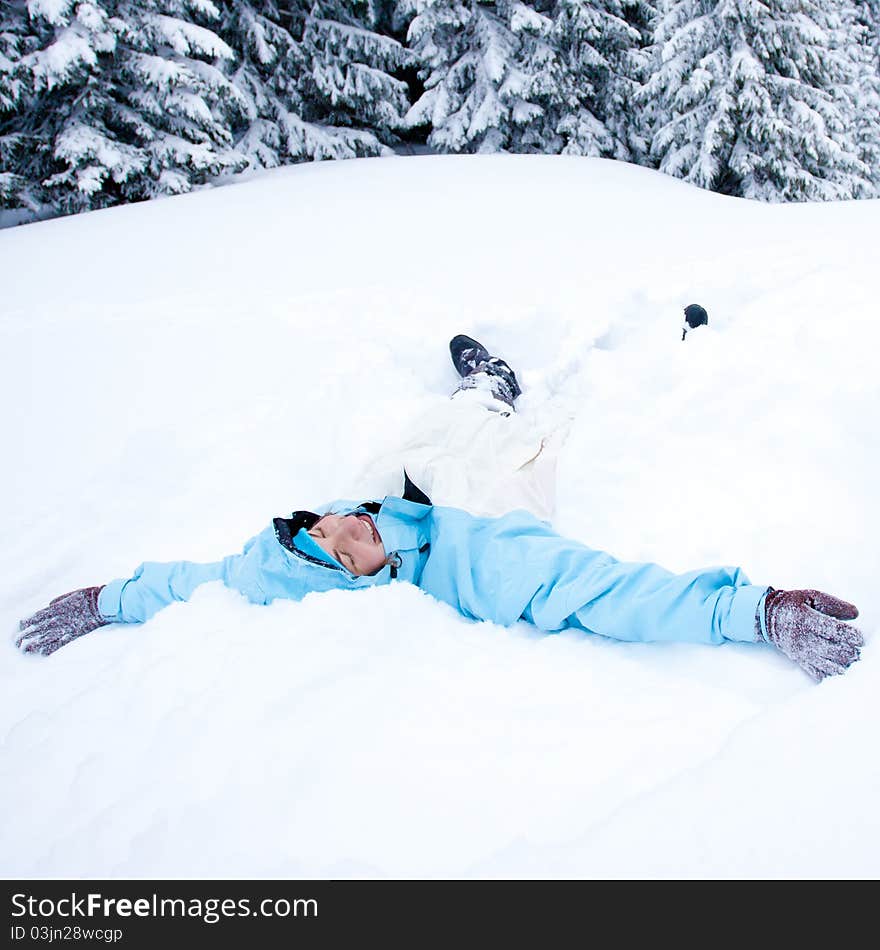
[352, 540]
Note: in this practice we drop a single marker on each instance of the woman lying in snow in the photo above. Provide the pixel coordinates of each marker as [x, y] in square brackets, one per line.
[470, 454]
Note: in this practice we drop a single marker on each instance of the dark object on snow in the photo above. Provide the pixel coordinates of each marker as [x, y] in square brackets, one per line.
[66, 618]
[471, 358]
[806, 625]
[694, 316]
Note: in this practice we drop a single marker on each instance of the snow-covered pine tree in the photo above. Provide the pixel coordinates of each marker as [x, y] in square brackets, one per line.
[640, 15]
[866, 14]
[633, 129]
[601, 53]
[125, 101]
[280, 122]
[756, 98]
[463, 52]
[351, 79]
[270, 130]
[51, 54]
[105, 101]
[534, 90]
[16, 98]
[542, 75]
[172, 96]
[493, 78]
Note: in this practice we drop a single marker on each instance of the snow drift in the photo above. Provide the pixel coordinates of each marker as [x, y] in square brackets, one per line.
[177, 373]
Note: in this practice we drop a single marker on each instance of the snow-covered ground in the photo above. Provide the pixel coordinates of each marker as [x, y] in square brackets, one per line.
[174, 374]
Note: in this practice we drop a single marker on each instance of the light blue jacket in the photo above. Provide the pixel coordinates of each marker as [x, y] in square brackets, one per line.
[500, 569]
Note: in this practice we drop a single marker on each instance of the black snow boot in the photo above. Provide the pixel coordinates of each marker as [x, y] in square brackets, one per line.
[467, 354]
[471, 358]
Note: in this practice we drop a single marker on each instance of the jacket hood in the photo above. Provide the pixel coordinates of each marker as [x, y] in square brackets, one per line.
[284, 561]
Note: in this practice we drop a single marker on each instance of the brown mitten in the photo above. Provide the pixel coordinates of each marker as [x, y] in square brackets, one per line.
[66, 618]
[807, 626]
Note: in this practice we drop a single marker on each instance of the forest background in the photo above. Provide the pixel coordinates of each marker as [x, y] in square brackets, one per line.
[104, 102]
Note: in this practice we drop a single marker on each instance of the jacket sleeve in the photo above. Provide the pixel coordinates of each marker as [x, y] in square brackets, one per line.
[513, 567]
[645, 602]
[154, 585]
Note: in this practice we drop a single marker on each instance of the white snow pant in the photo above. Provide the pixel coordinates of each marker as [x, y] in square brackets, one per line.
[472, 452]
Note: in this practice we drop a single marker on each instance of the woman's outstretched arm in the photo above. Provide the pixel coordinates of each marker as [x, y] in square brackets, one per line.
[127, 600]
[134, 599]
[504, 569]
